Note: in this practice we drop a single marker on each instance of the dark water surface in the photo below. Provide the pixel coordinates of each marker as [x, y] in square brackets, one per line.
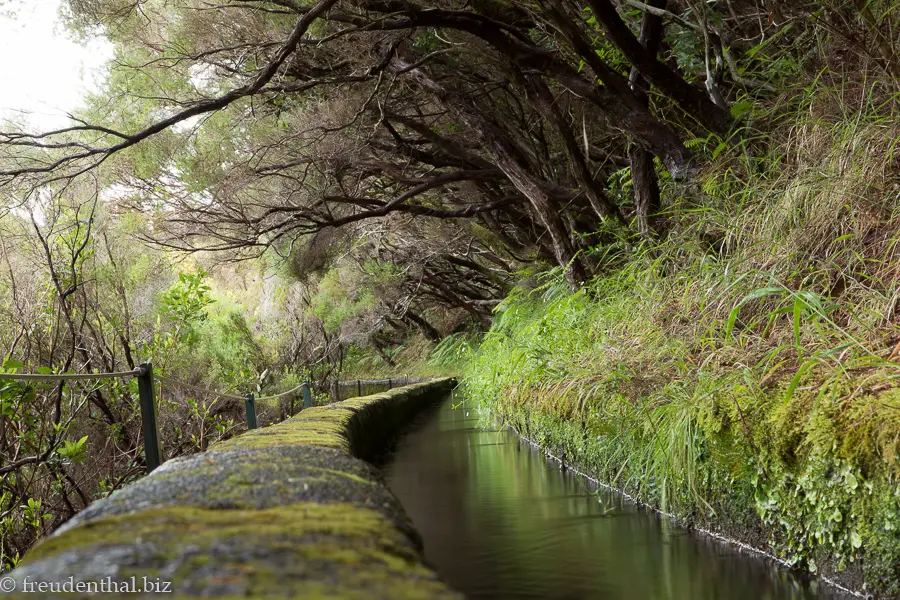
[500, 520]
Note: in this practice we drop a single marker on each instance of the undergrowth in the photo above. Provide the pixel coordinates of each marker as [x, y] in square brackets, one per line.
[742, 371]
[417, 356]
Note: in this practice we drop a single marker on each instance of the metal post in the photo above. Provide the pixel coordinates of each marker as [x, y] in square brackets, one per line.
[390, 386]
[307, 395]
[152, 455]
[251, 411]
[358, 388]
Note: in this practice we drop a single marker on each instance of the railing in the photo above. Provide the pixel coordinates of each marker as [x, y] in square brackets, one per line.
[147, 398]
[146, 381]
[351, 388]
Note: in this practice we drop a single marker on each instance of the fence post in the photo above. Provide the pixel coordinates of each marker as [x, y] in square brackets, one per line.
[251, 411]
[307, 395]
[390, 385]
[146, 394]
[358, 388]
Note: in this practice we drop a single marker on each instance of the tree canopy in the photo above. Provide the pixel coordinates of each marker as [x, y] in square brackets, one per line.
[252, 125]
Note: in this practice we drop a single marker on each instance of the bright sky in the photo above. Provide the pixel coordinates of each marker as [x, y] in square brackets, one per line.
[44, 72]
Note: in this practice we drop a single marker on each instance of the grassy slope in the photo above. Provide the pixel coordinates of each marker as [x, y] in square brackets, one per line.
[741, 372]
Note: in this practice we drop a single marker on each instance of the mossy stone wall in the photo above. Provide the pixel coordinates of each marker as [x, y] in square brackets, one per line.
[287, 511]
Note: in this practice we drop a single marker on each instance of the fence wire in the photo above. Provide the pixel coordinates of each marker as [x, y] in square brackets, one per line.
[146, 394]
[283, 394]
[68, 376]
[197, 388]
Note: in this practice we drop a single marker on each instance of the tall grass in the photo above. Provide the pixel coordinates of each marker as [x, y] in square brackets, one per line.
[741, 371]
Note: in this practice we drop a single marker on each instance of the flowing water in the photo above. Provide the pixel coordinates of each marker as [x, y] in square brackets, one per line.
[500, 520]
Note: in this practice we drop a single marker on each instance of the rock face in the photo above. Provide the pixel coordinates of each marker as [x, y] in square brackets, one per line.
[288, 511]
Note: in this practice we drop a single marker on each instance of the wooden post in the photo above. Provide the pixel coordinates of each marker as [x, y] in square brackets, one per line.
[390, 386]
[358, 388]
[152, 454]
[250, 405]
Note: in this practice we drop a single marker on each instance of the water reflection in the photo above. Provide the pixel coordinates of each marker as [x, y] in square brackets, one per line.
[501, 521]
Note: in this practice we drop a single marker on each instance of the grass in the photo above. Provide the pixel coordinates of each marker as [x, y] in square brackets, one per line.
[742, 371]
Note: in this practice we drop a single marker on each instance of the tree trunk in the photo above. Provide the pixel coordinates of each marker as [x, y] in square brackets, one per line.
[427, 328]
[646, 190]
[510, 160]
[543, 100]
[547, 211]
[643, 176]
[616, 99]
[643, 58]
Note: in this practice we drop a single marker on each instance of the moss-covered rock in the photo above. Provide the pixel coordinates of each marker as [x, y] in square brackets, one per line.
[307, 549]
[281, 512]
[252, 478]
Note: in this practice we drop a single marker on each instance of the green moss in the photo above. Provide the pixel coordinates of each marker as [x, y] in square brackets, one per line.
[707, 387]
[814, 472]
[322, 428]
[337, 425]
[202, 526]
[304, 549]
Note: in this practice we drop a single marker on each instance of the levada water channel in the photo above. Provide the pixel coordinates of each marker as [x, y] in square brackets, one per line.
[500, 520]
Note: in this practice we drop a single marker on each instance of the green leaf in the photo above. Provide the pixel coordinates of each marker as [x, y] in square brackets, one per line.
[797, 378]
[755, 294]
[739, 109]
[855, 539]
[719, 149]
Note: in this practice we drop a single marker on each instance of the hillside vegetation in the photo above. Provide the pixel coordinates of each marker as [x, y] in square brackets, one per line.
[742, 373]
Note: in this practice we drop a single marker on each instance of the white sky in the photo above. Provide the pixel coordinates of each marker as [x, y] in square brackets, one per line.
[43, 71]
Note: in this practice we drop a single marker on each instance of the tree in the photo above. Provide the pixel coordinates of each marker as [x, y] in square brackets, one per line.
[258, 170]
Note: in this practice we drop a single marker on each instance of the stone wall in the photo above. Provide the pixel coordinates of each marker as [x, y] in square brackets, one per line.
[287, 511]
